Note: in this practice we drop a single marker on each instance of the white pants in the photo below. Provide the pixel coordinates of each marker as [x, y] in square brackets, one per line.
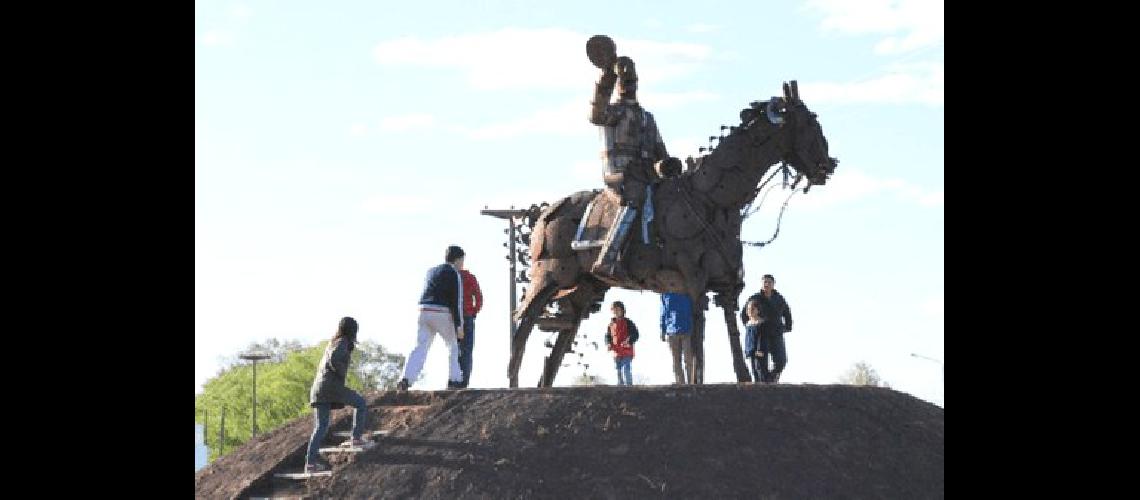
[431, 323]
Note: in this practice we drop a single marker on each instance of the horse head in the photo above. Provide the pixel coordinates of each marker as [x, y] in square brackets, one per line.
[800, 140]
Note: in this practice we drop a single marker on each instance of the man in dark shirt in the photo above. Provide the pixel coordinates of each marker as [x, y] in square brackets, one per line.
[777, 321]
[441, 312]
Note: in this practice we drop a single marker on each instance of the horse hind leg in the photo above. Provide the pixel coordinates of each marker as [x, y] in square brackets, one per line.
[577, 305]
[727, 302]
[554, 360]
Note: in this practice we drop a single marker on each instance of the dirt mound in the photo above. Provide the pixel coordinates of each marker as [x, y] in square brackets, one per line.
[709, 441]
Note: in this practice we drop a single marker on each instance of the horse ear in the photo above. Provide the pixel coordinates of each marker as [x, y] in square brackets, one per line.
[795, 91]
[787, 92]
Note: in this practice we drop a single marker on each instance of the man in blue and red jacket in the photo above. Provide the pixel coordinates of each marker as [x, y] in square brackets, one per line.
[472, 303]
[620, 336]
[441, 313]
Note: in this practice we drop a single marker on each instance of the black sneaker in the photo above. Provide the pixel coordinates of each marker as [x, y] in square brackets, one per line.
[454, 385]
[402, 385]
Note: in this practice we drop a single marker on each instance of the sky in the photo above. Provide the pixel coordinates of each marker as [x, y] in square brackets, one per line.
[200, 452]
[340, 147]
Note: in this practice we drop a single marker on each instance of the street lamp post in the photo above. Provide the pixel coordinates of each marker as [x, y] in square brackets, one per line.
[255, 357]
[943, 365]
[510, 215]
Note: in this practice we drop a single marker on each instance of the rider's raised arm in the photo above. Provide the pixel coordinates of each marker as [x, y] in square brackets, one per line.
[600, 112]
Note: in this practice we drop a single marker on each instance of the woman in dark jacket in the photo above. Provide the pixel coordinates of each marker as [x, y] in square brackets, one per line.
[329, 392]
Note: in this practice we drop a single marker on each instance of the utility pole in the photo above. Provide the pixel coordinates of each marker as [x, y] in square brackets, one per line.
[512, 256]
[255, 357]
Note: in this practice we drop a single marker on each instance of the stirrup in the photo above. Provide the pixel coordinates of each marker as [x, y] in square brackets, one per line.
[606, 264]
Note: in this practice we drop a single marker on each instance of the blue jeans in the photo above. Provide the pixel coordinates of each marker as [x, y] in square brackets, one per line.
[751, 344]
[774, 349]
[321, 413]
[465, 346]
[624, 372]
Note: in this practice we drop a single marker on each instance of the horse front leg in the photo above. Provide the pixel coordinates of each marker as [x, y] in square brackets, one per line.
[579, 306]
[554, 361]
[698, 340]
[728, 305]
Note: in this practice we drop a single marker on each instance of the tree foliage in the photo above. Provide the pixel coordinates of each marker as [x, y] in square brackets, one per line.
[275, 348]
[586, 378]
[862, 374]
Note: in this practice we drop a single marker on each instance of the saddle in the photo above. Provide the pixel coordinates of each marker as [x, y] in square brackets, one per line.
[596, 221]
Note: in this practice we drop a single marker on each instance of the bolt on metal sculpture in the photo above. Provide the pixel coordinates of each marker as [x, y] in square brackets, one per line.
[688, 227]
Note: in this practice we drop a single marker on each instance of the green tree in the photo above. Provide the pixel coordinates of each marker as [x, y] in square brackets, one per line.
[862, 374]
[377, 368]
[587, 379]
[283, 384]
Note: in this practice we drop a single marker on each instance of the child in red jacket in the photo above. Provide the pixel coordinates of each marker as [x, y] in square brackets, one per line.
[620, 336]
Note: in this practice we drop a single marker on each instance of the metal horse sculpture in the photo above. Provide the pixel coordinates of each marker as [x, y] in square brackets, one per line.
[697, 247]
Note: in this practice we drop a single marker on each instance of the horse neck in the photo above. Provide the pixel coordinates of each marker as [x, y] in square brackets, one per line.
[736, 166]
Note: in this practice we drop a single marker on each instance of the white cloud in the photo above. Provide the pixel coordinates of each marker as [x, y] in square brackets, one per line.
[358, 130]
[237, 15]
[216, 38]
[567, 119]
[851, 185]
[911, 24]
[587, 170]
[702, 28]
[934, 307]
[932, 199]
[682, 147]
[908, 27]
[922, 83]
[240, 11]
[664, 100]
[403, 123]
[199, 137]
[661, 61]
[553, 58]
[524, 198]
[396, 204]
[564, 179]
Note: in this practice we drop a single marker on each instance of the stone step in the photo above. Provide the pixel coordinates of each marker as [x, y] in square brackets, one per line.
[366, 433]
[346, 449]
[302, 475]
